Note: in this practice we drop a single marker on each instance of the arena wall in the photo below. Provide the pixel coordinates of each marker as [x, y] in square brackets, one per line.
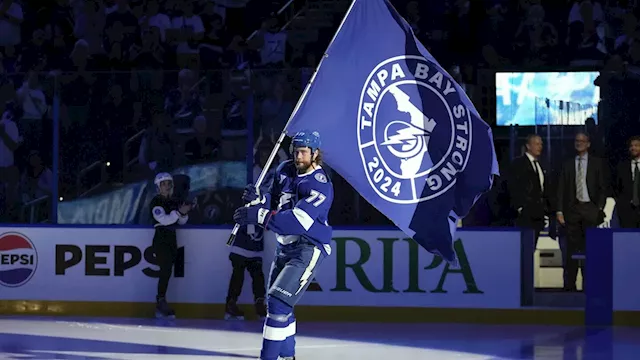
[372, 275]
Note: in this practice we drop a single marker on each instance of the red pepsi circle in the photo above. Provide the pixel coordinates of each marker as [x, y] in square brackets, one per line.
[18, 259]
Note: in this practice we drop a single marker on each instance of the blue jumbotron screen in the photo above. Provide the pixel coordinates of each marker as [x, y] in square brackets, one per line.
[541, 98]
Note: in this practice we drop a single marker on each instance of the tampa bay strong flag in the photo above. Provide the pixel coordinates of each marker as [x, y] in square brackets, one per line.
[397, 127]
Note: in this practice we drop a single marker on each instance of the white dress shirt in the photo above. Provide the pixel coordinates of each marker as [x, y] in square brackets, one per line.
[535, 164]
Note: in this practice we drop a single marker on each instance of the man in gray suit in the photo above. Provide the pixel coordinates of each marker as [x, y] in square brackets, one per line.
[582, 191]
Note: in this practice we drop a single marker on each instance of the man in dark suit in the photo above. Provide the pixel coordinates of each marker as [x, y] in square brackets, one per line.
[582, 192]
[627, 187]
[527, 187]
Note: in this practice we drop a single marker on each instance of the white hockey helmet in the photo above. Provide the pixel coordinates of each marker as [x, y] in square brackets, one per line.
[162, 177]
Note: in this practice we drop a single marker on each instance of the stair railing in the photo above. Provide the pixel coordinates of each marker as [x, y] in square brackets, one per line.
[286, 14]
[128, 160]
[100, 166]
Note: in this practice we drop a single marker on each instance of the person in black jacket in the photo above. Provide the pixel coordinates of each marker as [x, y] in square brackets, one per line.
[627, 187]
[527, 184]
[247, 251]
[246, 255]
[167, 213]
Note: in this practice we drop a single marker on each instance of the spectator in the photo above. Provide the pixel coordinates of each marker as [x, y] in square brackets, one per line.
[189, 31]
[159, 151]
[11, 18]
[9, 174]
[122, 18]
[202, 147]
[275, 112]
[58, 53]
[261, 152]
[587, 35]
[57, 19]
[634, 53]
[210, 12]
[35, 109]
[37, 179]
[117, 47]
[34, 53]
[577, 12]
[234, 13]
[213, 44]
[262, 149]
[81, 36]
[272, 42]
[624, 41]
[495, 38]
[154, 18]
[184, 103]
[536, 39]
[138, 8]
[89, 26]
[151, 55]
[239, 56]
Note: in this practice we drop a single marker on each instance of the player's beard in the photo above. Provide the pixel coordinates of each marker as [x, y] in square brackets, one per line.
[303, 166]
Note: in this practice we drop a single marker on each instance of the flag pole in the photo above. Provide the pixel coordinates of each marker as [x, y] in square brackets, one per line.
[276, 147]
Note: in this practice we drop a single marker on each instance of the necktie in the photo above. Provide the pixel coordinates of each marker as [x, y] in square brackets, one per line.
[536, 168]
[636, 183]
[580, 181]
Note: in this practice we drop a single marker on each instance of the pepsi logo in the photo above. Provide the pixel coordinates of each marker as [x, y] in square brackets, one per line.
[18, 259]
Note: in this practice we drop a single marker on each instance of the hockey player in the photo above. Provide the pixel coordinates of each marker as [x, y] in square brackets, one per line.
[296, 209]
[167, 214]
[248, 248]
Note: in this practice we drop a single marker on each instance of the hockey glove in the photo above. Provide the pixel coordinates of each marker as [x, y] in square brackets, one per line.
[256, 215]
[251, 196]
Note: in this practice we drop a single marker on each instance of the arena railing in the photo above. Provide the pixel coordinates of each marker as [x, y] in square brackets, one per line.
[130, 161]
[36, 211]
[289, 10]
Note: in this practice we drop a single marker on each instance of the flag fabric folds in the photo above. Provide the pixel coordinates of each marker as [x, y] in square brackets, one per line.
[397, 127]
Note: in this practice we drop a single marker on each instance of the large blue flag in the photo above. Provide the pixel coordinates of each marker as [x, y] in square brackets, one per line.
[397, 126]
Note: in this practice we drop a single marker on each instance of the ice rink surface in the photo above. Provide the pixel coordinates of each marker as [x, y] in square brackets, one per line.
[135, 339]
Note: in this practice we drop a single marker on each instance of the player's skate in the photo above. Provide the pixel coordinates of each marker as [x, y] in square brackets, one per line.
[163, 311]
[261, 308]
[233, 312]
[287, 358]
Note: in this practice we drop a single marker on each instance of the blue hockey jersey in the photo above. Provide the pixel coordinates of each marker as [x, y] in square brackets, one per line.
[249, 242]
[302, 203]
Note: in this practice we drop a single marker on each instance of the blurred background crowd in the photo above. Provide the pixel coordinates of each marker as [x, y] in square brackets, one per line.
[97, 96]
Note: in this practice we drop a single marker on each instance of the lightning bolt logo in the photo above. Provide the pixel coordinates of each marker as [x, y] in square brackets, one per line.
[306, 276]
[411, 139]
[404, 136]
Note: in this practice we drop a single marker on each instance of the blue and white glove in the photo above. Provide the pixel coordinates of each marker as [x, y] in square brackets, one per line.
[252, 196]
[252, 215]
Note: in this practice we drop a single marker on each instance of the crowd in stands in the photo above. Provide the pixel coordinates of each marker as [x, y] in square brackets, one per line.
[152, 85]
[171, 74]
